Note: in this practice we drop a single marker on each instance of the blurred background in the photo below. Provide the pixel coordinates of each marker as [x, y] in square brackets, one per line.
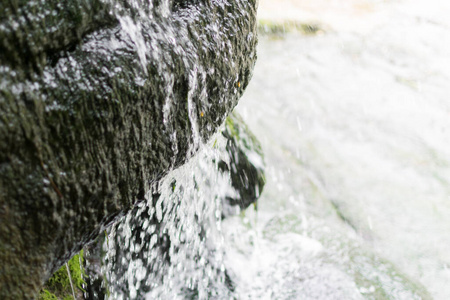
[350, 100]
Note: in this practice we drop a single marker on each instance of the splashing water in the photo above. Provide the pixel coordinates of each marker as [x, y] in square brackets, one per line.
[170, 246]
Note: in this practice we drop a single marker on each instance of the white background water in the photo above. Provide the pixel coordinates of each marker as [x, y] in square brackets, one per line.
[355, 126]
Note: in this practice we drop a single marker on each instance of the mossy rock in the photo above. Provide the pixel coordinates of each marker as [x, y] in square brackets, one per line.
[244, 163]
[60, 285]
[280, 28]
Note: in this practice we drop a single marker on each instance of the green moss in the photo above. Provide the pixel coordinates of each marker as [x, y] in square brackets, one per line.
[59, 287]
[229, 123]
[235, 128]
[46, 295]
[283, 27]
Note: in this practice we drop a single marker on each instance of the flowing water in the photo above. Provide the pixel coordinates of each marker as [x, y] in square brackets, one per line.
[169, 246]
[354, 123]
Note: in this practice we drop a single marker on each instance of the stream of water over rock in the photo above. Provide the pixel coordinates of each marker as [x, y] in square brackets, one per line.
[354, 122]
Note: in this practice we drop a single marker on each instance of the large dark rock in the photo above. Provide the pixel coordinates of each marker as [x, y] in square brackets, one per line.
[99, 100]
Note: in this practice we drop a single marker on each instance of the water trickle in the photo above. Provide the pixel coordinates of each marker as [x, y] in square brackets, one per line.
[133, 30]
[192, 108]
[170, 246]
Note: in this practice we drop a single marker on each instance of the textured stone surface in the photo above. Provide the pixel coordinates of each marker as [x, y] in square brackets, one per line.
[98, 101]
[155, 248]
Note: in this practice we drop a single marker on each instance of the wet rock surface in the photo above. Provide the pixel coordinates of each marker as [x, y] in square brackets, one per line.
[245, 165]
[170, 239]
[99, 100]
